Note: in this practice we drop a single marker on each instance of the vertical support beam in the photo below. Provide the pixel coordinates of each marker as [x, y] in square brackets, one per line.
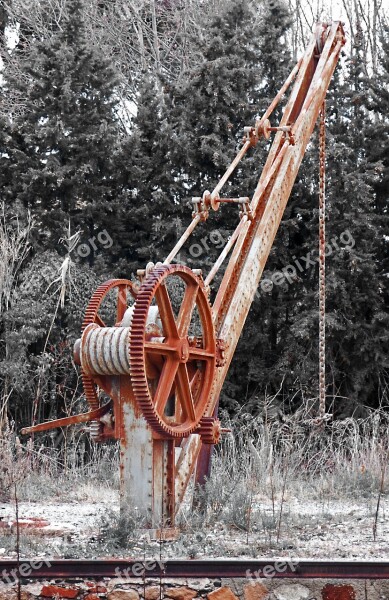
[163, 484]
[147, 466]
[136, 458]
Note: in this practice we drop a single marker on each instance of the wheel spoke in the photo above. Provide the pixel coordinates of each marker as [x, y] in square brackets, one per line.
[166, 312]
[185, 392]
[187, 307]
[122, 303]
[158, 348]
[165, 384]
[200, 354]
[99, 321]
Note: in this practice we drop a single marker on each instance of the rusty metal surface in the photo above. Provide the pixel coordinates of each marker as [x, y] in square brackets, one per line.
[322, 265]
[66, 421]
[300, 569]
[123, 286]
[105, 350]
[136, 463]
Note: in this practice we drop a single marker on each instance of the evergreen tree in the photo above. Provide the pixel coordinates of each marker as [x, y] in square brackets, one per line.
[378, 149]
[283, 326]
[216, 100]
[64, 143]
[259, 354]
[146, 223]
[57, 160]
[356, 332]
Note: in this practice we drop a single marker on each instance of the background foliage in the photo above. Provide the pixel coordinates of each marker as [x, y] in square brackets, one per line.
[115, 113]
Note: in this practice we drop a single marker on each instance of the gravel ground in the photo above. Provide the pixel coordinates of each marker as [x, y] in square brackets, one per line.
[306, 530]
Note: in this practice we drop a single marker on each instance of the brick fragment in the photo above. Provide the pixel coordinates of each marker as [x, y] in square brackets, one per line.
[223, 593]
[255, 591]
[96, 589]
[53, 591]
[338, 592]
[180, 593]
[92, 596]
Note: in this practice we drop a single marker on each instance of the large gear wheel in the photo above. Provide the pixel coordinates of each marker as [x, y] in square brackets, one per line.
[175, 399]
[123, 286]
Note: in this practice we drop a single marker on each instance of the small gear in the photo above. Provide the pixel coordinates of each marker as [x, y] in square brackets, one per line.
[209, 430]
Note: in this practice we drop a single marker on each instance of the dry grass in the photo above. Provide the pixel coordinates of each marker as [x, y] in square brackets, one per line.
[278, 459]
[260, 473]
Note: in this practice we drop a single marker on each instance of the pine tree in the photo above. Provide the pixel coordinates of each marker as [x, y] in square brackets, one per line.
[260, 354]
[64, 143]
[378, 149]
[217, 99]
[57, 160]
[146, 222]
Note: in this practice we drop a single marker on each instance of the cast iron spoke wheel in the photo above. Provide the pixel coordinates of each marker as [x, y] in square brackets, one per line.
[175, 394]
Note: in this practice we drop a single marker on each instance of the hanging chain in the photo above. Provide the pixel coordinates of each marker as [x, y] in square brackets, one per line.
[322, 263]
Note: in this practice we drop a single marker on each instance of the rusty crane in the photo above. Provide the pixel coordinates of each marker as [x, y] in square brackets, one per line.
[159, 354]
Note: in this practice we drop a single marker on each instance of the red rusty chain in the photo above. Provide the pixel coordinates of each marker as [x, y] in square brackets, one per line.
[322, 263]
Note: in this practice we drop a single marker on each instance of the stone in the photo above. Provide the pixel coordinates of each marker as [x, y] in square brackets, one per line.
[180, 593]
[180, 581]
[292, 591]
[338, 592]
[52, 591]
[117, 582]
[153, 592]
[33, 588]
[223, 593]
[199, 584]
[11, 595]
[255, 591]
[123, 595]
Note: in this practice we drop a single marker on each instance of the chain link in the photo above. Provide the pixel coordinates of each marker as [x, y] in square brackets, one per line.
[322, 263]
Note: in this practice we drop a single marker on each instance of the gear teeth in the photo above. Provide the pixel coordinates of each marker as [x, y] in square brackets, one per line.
[210, 430]
[90, 388]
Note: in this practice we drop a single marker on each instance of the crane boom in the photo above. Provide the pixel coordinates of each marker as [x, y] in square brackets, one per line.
[254, 242]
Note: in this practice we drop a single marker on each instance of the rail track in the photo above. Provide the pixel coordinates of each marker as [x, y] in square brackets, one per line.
[304, 569]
